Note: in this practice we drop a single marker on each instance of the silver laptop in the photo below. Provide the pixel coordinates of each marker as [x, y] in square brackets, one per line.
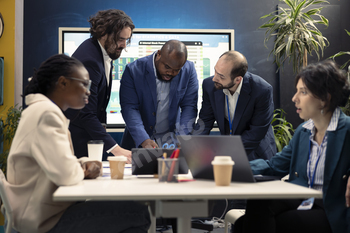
[199, 151]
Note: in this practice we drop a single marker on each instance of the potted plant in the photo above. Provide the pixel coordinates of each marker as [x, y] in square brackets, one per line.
[282, 129]
[8, 127]
[295, 32]
[341, 53]
[345, 109]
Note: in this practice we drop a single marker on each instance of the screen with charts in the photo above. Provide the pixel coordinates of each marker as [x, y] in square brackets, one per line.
[204, 48]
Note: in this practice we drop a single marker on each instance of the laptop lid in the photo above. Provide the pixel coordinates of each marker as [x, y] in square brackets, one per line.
[199, 151]
[144, 160]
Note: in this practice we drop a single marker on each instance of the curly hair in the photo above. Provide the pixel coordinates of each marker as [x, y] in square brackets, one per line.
[45, 78]
[324, 79]
[110, 22]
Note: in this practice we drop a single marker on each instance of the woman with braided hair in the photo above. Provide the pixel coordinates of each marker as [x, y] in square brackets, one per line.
[41, 158]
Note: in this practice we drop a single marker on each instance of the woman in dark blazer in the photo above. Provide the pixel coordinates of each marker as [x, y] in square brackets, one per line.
[318, 156]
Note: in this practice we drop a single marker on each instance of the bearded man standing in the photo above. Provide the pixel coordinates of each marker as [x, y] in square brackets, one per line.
[111, 31]
[241, 103]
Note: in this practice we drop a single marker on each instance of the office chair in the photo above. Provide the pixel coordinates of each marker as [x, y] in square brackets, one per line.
[234, 214]
[231, 217]
[6, 207]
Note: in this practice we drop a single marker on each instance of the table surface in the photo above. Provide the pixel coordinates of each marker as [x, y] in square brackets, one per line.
[134, 188]
[175, 199]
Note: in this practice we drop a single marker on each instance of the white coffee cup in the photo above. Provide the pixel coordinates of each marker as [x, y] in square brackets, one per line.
[116, 165]
[95, 149]
[222, 166]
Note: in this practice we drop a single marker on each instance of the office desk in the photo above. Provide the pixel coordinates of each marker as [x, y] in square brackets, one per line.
[182, 200]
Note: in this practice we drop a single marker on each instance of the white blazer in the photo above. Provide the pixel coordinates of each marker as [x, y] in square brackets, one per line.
[41, 158]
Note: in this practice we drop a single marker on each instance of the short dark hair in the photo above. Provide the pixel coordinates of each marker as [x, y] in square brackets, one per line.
[110, 22]
[325, 78]
[178, 47]
[45, 78]
[240, 65]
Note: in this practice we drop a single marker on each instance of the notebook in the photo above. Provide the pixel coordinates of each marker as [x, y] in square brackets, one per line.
[199, 151]
[144, 160]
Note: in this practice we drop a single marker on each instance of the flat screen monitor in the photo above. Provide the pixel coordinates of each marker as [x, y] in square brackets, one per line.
[204, 48]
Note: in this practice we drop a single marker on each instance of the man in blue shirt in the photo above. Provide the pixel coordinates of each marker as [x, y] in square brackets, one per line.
[158, 97]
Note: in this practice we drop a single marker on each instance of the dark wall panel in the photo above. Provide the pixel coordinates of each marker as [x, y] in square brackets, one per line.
[42, 19]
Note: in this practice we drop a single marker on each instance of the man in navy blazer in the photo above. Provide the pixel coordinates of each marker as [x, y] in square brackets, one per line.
[247, 97]
[158, 97]
[110, 32]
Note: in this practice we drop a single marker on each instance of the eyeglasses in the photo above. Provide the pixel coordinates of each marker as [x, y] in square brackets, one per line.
[86, 83]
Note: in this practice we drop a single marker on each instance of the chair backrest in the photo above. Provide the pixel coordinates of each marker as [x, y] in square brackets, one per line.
[6, 202]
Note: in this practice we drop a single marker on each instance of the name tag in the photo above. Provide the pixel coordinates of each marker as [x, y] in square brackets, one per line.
[307, 204]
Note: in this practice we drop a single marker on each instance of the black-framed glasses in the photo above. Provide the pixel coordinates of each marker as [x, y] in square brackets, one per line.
[86, 83]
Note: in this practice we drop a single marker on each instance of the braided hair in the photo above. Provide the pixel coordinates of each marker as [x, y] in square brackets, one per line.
[46, 77]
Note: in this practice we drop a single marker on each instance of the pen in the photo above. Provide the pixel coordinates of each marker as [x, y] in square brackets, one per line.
[171, 172]
[173, 154]
[163, 169]
[186, 180]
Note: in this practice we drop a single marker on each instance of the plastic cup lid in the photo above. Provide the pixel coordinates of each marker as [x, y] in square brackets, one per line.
[95, 142]
[116, 158]
[222, 160]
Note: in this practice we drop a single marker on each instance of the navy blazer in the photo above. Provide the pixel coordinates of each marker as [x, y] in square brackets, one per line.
[86, 123]
[293, 160]
[252, 118]
[138, 100]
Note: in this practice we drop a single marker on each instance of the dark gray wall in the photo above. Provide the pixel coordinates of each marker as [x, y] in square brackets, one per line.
[42, 19]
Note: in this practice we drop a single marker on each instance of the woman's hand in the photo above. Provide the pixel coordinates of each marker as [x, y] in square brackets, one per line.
[91, 169]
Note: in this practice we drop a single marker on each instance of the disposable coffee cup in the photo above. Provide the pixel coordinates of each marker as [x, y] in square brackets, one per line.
[222, 166]
[116, 165]
[95, 149]
[168, 170]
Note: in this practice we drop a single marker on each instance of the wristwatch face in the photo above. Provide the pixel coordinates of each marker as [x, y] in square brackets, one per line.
[1, 25]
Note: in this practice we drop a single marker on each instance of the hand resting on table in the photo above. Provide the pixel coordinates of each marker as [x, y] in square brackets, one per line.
[91, 169]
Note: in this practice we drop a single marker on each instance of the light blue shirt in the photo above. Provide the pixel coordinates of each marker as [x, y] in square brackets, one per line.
[319, 150]
[162, 122]
[232, 101]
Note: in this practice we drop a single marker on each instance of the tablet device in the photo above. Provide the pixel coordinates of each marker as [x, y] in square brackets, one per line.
[144, 160]
[199, 151]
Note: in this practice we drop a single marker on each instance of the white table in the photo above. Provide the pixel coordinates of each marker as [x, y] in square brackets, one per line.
[182, 200]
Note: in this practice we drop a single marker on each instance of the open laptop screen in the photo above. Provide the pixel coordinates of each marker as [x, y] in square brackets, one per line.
[199, 151]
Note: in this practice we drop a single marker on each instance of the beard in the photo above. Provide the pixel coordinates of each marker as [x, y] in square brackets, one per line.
[219, 86]
[112, 50]
[160, 77]
[115, 55]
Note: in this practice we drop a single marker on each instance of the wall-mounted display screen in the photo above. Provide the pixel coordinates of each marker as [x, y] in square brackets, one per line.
[204, 48]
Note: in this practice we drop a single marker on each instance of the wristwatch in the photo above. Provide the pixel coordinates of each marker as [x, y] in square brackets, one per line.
[1, 25]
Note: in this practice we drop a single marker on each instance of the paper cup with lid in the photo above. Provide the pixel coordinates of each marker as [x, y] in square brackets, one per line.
[117, 164]
[222, 167]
